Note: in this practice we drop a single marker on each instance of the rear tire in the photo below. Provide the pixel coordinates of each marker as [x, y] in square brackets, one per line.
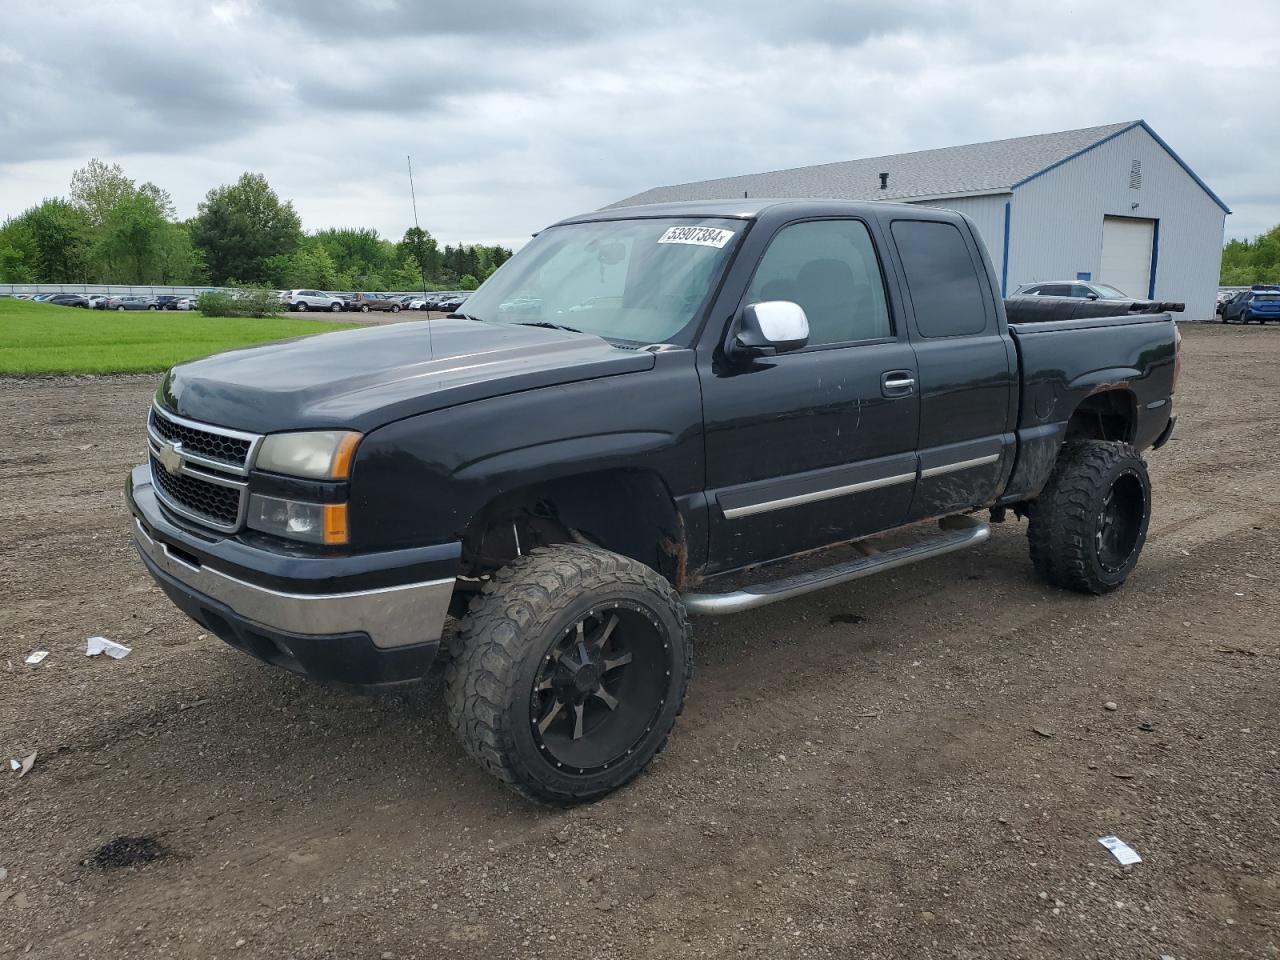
[395, 309]
[568, 673]
[301, 308]
[364, 308]
[1090, 521]
[335, 308]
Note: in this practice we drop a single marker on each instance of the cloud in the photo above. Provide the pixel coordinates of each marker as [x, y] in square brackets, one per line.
[518, 113]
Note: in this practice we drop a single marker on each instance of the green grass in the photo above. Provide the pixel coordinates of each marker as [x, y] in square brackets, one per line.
[36, 338]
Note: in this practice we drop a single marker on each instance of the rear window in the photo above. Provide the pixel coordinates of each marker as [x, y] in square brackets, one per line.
[942, 279]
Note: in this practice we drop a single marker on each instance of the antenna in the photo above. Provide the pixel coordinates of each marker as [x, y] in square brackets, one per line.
[413, 196]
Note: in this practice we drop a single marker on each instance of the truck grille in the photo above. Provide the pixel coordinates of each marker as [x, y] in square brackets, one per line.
[208, 482]
[225, 448]
[198, 499]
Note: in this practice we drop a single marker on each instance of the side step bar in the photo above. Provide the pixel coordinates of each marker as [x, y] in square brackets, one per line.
[959, 533]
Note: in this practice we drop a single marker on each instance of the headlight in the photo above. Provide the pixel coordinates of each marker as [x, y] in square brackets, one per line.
[298, 520]
[315, 454]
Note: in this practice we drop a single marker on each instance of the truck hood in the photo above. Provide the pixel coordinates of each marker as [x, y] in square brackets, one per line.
[362, 379]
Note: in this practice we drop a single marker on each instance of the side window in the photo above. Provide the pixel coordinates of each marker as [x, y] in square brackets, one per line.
[941, 277]
[1079, 290]
[1032, 292]
[1055, 290]
[829, 267]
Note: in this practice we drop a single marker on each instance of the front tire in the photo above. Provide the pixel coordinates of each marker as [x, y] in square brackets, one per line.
[1089, 523]
[364, 308]
[301, 307]
[335, 308]
[567, 675]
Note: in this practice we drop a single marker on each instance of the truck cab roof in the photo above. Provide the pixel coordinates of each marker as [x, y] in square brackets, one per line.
[754, 209]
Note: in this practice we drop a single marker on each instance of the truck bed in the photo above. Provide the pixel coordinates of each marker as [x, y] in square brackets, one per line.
[1132, 355]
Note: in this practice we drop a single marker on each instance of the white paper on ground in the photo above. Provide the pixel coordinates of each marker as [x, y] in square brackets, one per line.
[1121, 850]
[37, 656]
[97, 645]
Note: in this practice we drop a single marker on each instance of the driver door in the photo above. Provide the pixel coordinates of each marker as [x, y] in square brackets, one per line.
[817, 446]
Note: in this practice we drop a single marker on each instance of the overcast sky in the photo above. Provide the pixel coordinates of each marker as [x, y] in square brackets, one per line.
[518, 113]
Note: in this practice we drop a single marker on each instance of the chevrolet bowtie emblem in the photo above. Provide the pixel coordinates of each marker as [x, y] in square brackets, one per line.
[170, 459]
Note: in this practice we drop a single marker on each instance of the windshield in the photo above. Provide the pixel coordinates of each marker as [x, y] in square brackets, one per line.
[1110, 292]
[641, 281]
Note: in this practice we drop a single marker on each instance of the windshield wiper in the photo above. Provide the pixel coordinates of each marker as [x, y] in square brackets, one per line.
[548, 324]
[465, 316]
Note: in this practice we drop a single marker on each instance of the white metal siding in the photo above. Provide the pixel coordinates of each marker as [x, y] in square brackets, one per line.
[1057, 222]
[988, 214]
[1126, 254]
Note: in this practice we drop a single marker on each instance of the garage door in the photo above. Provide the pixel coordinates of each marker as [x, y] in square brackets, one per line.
[1126, 254]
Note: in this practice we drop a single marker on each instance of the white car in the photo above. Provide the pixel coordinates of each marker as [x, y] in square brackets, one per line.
[185, 303]
[303, 300]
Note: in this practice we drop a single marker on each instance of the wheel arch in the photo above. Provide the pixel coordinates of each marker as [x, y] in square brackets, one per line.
[629, 511]
[1107, 413]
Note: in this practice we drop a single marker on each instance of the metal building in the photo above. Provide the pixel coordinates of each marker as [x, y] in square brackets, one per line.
[1111, 203]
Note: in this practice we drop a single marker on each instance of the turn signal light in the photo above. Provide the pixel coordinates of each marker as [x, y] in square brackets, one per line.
[335, 522]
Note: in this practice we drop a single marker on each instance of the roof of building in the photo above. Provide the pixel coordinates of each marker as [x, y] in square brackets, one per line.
[973, 169]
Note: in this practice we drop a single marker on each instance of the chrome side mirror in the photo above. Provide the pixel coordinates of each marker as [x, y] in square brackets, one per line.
[769, 328]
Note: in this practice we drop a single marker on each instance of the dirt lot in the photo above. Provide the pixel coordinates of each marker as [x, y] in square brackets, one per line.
[912, 766]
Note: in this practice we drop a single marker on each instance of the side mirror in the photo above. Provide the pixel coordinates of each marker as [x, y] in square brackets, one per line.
[769, 328]
[1091, 296]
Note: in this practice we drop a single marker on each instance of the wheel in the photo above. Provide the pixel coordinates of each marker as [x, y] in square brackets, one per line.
[153, 307]
[1090, 521]
[364, 308]
[395, 308]
[120, 308]
[335, 308]
[1224, 318]
[568, 673]
[302, 307]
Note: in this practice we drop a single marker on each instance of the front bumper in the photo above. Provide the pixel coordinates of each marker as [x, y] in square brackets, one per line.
[365, 619]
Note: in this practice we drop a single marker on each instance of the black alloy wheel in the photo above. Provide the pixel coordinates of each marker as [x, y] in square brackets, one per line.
[1120, 521]
[600, 689]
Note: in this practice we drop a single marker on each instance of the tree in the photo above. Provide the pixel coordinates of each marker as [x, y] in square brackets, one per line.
[129, 247]
[96, 188]
[19, 255]
[1252, 261]
[242, 226]
[60, 238]
[422, 248]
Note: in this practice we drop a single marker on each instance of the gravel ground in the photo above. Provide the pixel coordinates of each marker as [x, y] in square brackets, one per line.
[918, 765]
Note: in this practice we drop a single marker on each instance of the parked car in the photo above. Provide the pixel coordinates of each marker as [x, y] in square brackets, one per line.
[96, 300]
[186, 303]
[778, 377]
[1081, 289]
[304, 300]
[166, 301]
[416, 303]
[1260, 305]
[130, 303]
[451, 304]
[1077, 300]
[364, 302]
[69, 300]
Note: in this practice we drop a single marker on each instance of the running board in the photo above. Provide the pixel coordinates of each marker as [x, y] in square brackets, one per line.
[959, 533]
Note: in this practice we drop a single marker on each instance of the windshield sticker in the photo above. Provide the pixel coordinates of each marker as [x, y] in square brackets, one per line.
[698, 236]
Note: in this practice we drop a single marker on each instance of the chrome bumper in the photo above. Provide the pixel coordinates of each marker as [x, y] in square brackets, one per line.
[398, 616]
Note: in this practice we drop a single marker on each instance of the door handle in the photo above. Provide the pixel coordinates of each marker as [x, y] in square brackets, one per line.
[897, 383]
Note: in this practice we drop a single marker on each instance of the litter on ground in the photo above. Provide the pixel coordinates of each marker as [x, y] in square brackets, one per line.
[97, 645]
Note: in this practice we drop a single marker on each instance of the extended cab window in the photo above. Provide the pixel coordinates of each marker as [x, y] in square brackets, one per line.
[941, 277]
[829, 267]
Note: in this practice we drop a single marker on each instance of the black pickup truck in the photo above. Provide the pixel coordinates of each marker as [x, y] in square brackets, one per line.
[640, 402]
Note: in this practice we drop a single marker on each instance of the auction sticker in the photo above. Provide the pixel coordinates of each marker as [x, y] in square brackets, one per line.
[698, 236]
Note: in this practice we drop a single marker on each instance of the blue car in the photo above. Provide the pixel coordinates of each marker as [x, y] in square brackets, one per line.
[1260, 305]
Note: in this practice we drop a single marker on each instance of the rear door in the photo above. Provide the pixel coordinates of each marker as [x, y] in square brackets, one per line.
[817, 446]
[967, 368]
